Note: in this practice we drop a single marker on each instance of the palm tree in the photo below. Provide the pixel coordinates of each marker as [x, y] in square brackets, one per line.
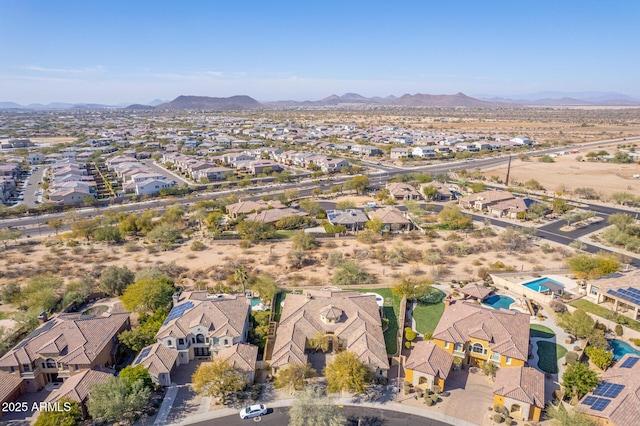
[241, 276]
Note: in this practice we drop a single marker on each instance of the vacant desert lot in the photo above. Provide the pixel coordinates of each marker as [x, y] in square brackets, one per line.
[605, 178]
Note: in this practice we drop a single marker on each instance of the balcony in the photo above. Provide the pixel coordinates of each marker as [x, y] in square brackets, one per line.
[30, 374]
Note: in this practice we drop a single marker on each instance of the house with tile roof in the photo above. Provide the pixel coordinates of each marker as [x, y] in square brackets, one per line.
[64, 346]
[483, 201]
[245, 207]
[11, 388]
[428, 365]
[618, 291]
[520, 392]
[350, 320]
[393, 220]
[274, 215]
[616, 400]
[201, 325]
[351, 219]
[478, 334]
[403, 191]
[160, 361]
[243, 357]
[475, 291]
[77, 387]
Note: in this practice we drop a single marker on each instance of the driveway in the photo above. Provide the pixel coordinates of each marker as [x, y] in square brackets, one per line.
[28, 417]
[471, 394]
[187, 402]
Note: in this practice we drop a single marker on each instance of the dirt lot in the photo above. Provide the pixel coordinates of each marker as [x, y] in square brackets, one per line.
[605, 178]
[211, 267]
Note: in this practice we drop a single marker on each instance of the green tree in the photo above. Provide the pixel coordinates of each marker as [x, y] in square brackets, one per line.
[623, 198]
[7, 235]
[410, 287]
[259, 330]
[251, 230]
[453, 218]
[41, 292]
[145, 334]
[589, 266]
[131, 375]
[477, 187]
[578, 380]
[116, 400]
[109, 234]
[622, 221]
[218, 378]
[357, 183]
[293, 376]
[68, 415]
[375, 225]
[348, 373]
[241, 276]
[214, 220]
[147, 294]
[560, 205]
[547, 159]
[55, 224]
[310, 206]
[114, 280]
[129, 224]
[514, 240]
[85, 228]
[345, 204]
[320, 341]
[430, 192]
[601, 358]
[165, 233]
[173, 215]
[312, 408]
[350, 273]
[578, 323]
[301, 240]
[266, 286]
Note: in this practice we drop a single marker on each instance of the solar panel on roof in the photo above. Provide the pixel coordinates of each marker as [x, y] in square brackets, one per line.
[177, 312]
[600, 404]
[609, 390]
[634, 291]
[589, 400]
[142, 355]
[629, 362]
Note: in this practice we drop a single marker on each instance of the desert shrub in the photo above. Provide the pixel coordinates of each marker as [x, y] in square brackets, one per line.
[334, 258]
[619, 330]
[571, 357]
[557, 306]
[197, 246]
[635, 341]
[410, 334]
[498, 418]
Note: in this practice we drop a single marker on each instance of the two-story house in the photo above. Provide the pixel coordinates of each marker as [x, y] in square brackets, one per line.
[478, 334]
[64, 346]
[201, 325]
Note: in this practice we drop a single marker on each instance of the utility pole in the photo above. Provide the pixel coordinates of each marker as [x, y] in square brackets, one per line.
[506, 182]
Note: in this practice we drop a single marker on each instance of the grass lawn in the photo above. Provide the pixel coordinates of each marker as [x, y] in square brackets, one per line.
[391, 312]
[537, 330]
[603, 312]
[278, 305]
[285, 233]
[548, 355]
[427, 316]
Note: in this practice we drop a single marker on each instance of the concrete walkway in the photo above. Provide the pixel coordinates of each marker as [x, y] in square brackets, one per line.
[392, 406]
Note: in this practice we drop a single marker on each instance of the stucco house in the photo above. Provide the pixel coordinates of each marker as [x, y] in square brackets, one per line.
[520, 392]
[428, 365]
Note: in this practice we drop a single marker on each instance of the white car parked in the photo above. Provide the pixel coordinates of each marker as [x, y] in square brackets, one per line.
[253, 411]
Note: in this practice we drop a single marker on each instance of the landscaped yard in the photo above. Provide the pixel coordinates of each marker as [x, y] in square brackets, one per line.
[427, 316]
[96, 310]
[278, 305]
[603, 312]
[548, 355]
[537, 330]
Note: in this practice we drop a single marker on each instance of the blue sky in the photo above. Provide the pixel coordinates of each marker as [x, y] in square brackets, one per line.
[136, 51]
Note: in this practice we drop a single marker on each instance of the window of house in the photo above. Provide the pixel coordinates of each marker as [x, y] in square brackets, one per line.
[216, 340]
[75, 367]
[594, 290]
[26, 367]
[50, 363]
[459, 347]
[508, 361]
[477, 348]
[495, 356]
[446, 345]
[181, 341]
[169, 342]
[199, 338]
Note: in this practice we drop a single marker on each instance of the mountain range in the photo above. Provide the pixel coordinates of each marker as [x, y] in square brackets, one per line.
[459, 100]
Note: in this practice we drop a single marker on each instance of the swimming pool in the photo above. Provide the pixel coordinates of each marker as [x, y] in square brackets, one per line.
[621, 348]
[537, 285]
[498, 302]
[255, 301]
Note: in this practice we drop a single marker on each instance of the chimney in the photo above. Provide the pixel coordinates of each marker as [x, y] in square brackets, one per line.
[43, 317]
[176, 298]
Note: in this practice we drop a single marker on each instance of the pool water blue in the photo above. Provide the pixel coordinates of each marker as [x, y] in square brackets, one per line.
[536, 285]
[255, 301]
[498, 302]
[621, 348]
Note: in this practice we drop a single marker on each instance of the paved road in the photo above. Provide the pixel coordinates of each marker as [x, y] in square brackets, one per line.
[32, 187]
[368, 416]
